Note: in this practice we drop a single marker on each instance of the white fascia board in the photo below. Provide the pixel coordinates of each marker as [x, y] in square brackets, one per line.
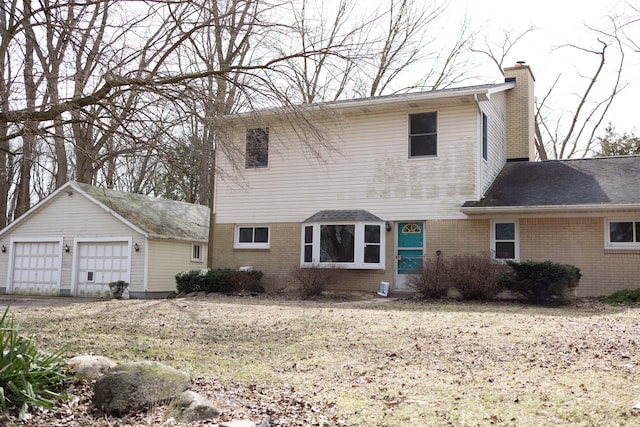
[501, 210]
[383, 103]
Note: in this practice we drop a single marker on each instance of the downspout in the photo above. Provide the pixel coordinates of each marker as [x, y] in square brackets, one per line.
[479, 192]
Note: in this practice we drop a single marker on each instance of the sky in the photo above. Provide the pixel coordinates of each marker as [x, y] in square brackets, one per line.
[558, 22]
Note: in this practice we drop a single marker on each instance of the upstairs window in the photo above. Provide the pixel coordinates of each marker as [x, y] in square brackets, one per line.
[251, 237]
[423, 135]
[504, 240]
[257, 148]
[485, 139]
[623, 234]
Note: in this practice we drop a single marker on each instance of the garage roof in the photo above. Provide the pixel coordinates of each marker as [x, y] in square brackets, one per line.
[160, 218]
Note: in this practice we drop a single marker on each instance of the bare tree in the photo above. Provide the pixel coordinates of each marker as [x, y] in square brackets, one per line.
[571, 132]
[376, 53]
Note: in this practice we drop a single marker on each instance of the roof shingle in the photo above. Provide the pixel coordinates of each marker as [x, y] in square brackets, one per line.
[594, 181]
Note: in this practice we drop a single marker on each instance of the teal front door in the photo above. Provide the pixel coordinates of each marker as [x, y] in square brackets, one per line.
[409, 252]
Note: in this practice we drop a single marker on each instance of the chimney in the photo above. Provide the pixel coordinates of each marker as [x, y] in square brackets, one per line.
[520, 113]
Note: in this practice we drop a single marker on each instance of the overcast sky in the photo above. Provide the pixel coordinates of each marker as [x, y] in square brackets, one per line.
[558, 22]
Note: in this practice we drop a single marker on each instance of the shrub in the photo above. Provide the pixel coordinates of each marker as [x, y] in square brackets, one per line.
[431, 280]
[313, 281]
[218, 280]
[475, 276]
[191, 280]
[625, 296]
[117, 288]
[544, 283]
[247, 281]
[28, 377]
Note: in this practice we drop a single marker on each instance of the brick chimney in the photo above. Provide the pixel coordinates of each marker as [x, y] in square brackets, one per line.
[520, 113]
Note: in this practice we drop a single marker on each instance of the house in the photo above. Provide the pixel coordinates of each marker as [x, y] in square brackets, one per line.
[374, 186]
[80, 238]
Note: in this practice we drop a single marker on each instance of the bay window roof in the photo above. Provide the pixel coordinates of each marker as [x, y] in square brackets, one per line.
[353, 215]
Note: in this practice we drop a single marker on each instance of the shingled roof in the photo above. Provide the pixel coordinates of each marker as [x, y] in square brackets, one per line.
[160, 218]
[604, 182]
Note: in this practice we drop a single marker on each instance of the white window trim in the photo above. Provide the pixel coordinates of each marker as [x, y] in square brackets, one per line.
[199, 259]
[619, 245]
[359, 235]
[516, 249]
[236, 237]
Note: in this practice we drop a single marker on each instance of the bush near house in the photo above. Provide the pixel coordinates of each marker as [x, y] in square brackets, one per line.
[219, 280]
[625, 296]
[542, 283]
[432, 280]
[313, 281]
[475, 276]
[28, 377]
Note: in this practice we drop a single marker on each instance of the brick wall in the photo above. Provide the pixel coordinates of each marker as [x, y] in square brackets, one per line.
[520, 114]
[284, 255]
[580, 241]
[577, 241]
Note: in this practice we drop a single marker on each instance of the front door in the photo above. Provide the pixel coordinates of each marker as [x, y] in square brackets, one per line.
[409, 252]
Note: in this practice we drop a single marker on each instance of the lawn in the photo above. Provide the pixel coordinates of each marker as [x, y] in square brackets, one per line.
[375, 362]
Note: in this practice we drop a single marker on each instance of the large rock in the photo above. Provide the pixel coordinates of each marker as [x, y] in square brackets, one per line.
[189, 406]
[89, 366]
[134, 386]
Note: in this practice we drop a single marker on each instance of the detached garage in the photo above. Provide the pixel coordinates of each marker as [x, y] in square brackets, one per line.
[81, 238]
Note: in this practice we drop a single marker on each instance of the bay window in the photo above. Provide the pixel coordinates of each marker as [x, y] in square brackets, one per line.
[345, 244]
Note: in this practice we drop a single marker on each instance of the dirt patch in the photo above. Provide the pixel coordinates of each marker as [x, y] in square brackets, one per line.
[20, 301]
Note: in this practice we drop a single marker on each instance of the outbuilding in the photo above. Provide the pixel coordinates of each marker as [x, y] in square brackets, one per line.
[80, 238]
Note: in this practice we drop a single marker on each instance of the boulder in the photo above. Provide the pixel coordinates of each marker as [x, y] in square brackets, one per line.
[89, 366]
[134, 386]
[189, 406]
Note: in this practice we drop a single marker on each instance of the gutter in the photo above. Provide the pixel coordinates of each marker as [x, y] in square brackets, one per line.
[541, 209]
[407, 100]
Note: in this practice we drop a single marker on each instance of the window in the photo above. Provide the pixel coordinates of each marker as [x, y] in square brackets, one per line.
[423, 134]
[196, 253]
[251, 237]
[485, 142]
[623, 234]
[257, 149]
[356, 245]
[504, 240]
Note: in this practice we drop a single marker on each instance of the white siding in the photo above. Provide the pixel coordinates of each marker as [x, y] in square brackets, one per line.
[67, 217]
[495, 109]
[369, 169]
[166, 258]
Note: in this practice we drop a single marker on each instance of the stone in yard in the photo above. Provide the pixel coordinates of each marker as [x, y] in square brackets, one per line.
[134, 386]
[89, 366]
[189, 406]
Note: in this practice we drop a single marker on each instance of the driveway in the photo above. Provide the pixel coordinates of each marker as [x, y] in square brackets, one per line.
[22, 301]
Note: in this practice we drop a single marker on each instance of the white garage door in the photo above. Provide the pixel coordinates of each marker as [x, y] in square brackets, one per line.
[36, 268]
[100, 263]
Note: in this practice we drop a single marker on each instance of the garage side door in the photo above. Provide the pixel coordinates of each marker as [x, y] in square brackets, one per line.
[100, 263]
[36, 268]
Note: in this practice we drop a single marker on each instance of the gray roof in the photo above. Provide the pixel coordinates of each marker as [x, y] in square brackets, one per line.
[342, 215]
[157, 217]
[604, 181]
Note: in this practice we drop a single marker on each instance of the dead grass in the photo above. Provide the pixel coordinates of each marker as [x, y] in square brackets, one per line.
[379, 362]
